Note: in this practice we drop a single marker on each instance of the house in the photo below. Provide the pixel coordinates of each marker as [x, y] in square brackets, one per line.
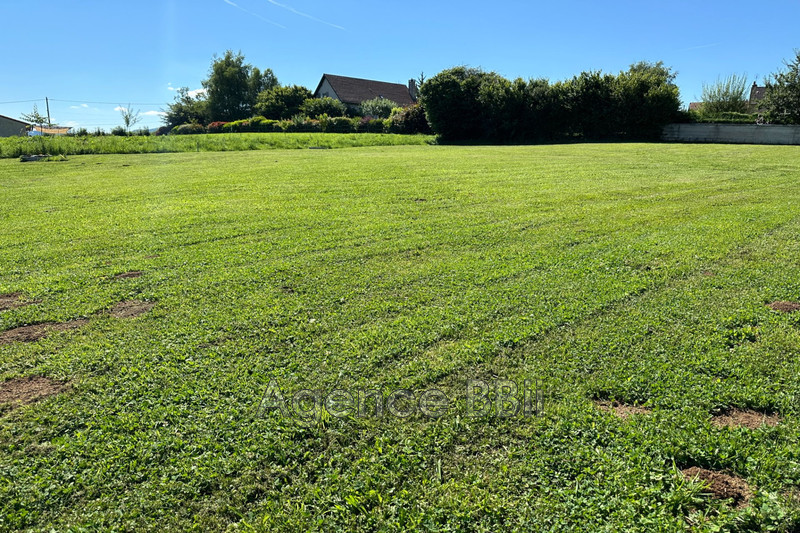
[756, 96]
[11, 127]
[48, 130]
[353, 91]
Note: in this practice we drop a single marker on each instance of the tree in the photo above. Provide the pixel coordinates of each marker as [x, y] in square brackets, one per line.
[782, 99]
[281, 103]
[378, 107]
[647, 99]
[314, 107]
[233, 86]
[129, 117]
[186, 109]
[725, 96]
[34, 117]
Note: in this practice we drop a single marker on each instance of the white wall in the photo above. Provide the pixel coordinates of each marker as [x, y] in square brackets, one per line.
[732, 133]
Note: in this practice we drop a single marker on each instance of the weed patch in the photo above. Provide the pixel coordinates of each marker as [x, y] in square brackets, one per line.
[127, 275]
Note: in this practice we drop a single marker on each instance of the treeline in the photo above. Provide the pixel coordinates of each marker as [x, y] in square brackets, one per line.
[469, 104]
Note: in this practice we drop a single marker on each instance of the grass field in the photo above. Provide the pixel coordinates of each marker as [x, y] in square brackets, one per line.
[637, 274]
[219, 142]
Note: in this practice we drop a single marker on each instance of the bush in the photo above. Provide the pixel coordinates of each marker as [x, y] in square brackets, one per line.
[215, 127]
[142, 132]
[314, 107]
[119, 131]
[408, 120]
[377, 107]
[163, 130]
[338, 124]
[82, 132]
[282, 103]
[369, 125]
[188, 129]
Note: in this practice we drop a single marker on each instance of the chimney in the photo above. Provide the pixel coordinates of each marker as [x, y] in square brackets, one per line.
[412, 89]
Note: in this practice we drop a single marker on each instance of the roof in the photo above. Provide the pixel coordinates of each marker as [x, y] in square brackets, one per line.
[55, 130]
[15, 120]
[757, 93]
[353, 91]
[695, 106]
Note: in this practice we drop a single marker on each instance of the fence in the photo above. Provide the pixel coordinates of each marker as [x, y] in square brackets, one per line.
[732, 133]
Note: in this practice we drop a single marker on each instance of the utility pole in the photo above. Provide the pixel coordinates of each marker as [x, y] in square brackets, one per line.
[46, 101]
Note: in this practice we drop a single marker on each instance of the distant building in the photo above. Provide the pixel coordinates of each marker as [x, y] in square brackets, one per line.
[48, 130]
[757, 94]
[695, 106]
[353, 91]
[11, 127]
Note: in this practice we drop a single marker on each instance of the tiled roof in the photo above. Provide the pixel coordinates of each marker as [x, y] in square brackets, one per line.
[353, 91]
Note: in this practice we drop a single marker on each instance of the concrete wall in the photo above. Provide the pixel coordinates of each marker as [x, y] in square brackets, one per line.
[10, 127]
[732, 133]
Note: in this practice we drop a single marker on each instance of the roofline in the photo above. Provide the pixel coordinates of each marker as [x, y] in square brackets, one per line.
[319, 86]
[15, 120]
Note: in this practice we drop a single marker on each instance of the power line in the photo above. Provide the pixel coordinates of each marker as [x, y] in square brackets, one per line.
[103, 103]
[23, 101]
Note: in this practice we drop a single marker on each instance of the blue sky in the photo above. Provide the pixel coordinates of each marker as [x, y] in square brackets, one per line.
[90, 57]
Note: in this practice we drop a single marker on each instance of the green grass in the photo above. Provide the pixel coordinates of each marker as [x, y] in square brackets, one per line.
[631, 272]
[223, 142]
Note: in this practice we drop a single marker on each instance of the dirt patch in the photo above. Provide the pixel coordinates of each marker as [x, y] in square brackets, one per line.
[721, 486]
[708, 273]
[154, 256]
[784, 307]
[131, 308]
[622, 410]
[131, 274]
[420, 199]
[38, 331]
[746, 418]
[11, 300]
[24, 391]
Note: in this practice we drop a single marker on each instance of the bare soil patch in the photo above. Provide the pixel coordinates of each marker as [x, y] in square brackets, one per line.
[708, 273]
[784, 307]
[746, 418]
[24, 391]
[622, 410]
[131, 308]
[11, 300]
[131, 274]
[35, 332]
[721, 486]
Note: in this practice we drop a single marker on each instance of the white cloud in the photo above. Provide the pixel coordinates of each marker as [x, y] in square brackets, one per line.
[82, 106]
[120, 108]
[154, 113]
[197, 92]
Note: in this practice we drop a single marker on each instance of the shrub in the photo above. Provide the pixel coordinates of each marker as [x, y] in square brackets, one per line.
[119, 131]
[142, 132]
[188, 129]
[314, 107]
[369, 125]
[82, 132]
[377, 107]
[281, 103]
[338, 125]
[163, 130]
[408, 120]
[215, 127]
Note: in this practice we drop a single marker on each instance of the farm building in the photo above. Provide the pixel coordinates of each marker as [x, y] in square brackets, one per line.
[11, 127]
[353, 91]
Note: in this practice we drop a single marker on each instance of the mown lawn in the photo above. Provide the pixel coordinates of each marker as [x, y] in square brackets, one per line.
[632, 273]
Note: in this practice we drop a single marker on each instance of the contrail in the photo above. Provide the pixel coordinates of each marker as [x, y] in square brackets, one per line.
[699, 47]
[237, 6]
[306, 15]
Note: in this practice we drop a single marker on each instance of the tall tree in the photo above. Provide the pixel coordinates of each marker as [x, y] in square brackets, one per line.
[233, 85]
[782, 99]
[186, 109]
[34, 117]
[129, 117]
[725, 96]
